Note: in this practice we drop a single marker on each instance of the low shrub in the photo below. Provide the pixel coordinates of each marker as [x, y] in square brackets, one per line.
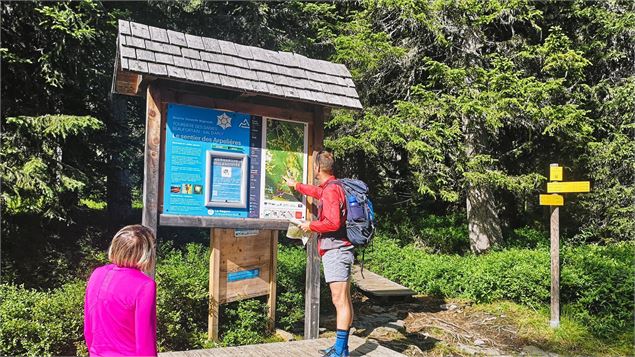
[182, 296]
[291, 277]
[243, 322]
[597, 286]
[596, 281]
[527, 237]
[38, 323]
[436, 234]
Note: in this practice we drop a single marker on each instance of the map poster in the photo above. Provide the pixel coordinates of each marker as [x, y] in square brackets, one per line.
[192, 133]
[285, 146]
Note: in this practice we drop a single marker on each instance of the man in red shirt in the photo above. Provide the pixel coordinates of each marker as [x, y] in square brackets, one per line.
[334, 247]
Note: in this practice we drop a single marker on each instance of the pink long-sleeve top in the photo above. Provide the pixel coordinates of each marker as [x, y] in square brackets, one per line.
[120, 317]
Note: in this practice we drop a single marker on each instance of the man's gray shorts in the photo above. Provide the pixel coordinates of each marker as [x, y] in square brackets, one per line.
[337, 264]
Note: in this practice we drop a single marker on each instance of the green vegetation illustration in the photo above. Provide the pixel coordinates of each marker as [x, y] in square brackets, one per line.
[285, 156]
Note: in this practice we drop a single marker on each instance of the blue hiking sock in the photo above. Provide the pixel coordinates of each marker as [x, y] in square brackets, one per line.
[341, 342]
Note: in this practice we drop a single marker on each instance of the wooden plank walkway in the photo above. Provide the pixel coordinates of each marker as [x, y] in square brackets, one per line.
[378, 286]
[305, 348]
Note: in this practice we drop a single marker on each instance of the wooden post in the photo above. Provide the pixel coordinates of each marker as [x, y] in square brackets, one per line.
[555, 267]
[555, 264]
[151, 158]
[271, 302]
[312, 288]
[214, 284]
[152, 151]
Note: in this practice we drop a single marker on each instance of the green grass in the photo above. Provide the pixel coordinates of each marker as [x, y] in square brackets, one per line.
[571, 338]
[596, 281]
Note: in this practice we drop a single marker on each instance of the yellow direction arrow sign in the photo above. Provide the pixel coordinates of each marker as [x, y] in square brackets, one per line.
[568, 187]
[551, 200]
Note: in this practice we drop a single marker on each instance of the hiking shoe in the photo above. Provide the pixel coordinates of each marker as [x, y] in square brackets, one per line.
[326, 351]
[332, 353]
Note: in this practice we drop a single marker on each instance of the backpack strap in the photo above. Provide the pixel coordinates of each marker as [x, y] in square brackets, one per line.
[339, 183]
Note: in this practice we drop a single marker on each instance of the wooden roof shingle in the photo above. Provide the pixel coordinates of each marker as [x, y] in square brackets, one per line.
[144, 49]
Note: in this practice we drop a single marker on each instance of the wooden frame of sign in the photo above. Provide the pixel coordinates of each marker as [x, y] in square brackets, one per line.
[229, 254]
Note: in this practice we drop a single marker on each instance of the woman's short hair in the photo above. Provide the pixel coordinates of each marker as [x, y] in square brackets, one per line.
[133, 247]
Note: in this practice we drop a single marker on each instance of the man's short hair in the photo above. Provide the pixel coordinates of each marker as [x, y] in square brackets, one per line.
[325, 161]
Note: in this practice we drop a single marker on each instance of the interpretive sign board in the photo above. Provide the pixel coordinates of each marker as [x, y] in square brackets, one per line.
[226, 164]
[203, 147]
[285, 143]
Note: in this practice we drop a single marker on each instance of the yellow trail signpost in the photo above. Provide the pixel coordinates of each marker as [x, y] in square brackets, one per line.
[568, 187]
[551, 200]
[554, 200]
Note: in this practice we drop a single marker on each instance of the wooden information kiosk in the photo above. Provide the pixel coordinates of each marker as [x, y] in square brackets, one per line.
[224, 123]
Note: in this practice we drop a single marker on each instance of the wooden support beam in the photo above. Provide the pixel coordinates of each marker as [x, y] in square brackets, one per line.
[214, 284]
[166, 97]
[271, 302]
[291, 111]
[152, 154]
[220, 222]
[312, 288]
[124, 82]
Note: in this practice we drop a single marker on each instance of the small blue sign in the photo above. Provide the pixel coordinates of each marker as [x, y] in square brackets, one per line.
[243, 275]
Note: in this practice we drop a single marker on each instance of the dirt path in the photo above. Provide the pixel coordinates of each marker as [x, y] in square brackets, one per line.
[425, 326]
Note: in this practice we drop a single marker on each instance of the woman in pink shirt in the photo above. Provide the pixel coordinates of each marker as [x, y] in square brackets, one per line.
[120, 317]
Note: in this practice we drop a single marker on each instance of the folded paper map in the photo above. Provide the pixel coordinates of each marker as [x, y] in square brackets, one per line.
[295, 232]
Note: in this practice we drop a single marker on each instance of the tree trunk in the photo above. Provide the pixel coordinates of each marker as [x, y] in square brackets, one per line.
[484, 226]
[483, 222]
[118, 196]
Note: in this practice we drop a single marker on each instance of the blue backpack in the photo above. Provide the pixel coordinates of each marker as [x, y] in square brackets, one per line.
[360, 217]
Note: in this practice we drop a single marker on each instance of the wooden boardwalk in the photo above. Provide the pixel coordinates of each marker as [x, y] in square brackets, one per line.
[305, 348]
[378, 286]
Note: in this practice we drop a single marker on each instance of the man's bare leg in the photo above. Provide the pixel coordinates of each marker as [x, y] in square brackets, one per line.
[341, 296]
[350, 302]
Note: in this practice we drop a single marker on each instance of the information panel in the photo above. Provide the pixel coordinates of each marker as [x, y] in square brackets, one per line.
[227, 164]
[206, 158]
[285, 143]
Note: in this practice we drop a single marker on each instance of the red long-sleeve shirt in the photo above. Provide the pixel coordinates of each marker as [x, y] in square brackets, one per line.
[331, 213]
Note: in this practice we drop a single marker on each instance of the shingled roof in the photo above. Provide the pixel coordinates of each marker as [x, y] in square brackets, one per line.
[162, 53]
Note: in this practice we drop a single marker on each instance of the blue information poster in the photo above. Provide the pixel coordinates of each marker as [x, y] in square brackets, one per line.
[227, 179]
[206, 165]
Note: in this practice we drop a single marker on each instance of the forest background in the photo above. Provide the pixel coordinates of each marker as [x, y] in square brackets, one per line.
[466, 105]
